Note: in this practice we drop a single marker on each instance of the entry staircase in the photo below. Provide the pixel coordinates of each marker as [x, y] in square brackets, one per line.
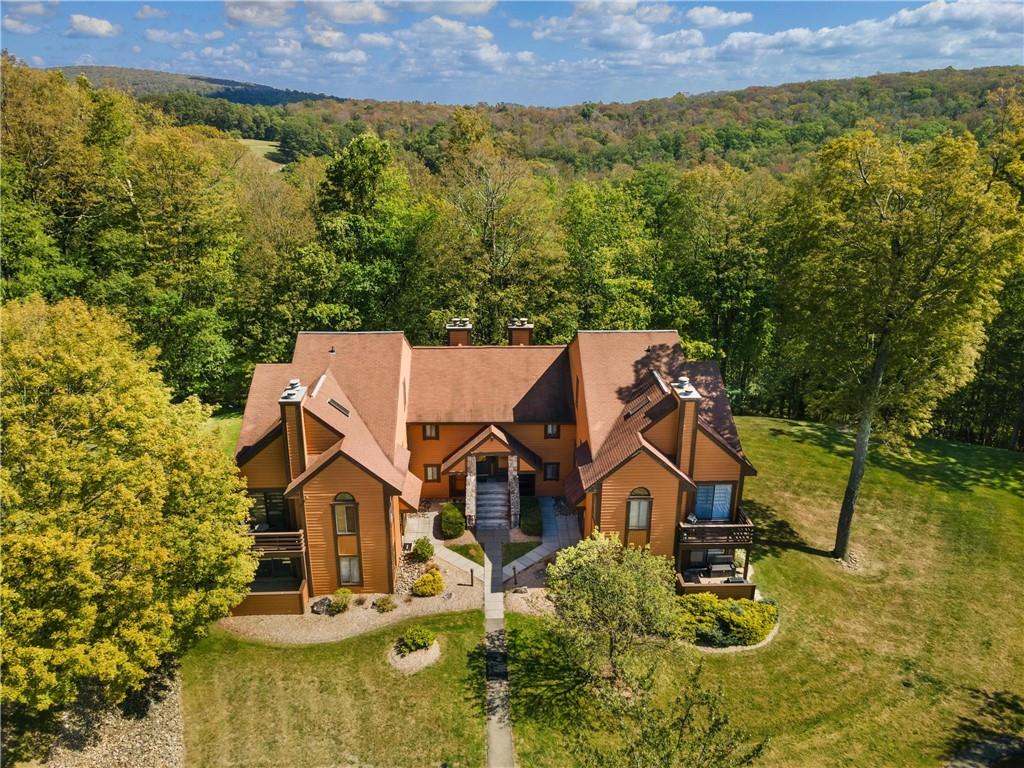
[491, 506]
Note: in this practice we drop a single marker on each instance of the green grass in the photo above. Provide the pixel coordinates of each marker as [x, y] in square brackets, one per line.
[472, 552]
[227, 426]
[265, 150]
[511, 550]
[895, 663]
[337, 703]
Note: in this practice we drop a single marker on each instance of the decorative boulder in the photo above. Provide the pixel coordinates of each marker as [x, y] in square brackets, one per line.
[321, 606]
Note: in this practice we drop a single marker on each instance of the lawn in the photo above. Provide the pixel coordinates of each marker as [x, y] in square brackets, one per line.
[265, 150]
[894, 663]
[472, 552]
[226, 426]
[337, 703]
[511, 550]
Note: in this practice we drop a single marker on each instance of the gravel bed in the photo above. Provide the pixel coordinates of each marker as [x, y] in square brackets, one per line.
[310, 628]
[534, 600]
[150, 734]
[415, 661]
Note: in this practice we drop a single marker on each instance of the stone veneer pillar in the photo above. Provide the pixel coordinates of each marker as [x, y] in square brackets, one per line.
[470, 490]
[513, 490]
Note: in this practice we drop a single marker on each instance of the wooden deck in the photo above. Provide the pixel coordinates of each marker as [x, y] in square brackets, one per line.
[717, 587]
[706, 533]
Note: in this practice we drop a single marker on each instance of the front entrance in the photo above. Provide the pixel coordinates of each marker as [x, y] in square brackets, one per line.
[486, 468]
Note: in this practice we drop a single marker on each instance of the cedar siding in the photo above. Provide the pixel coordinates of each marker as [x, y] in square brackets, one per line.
[348, 415]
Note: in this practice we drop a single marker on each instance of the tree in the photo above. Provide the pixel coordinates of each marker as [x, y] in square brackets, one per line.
[693, 731]
[612, 597]
[124, 525]
[896, 256]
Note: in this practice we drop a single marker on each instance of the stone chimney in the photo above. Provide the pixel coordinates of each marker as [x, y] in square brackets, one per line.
[520, 332]
[459, 332]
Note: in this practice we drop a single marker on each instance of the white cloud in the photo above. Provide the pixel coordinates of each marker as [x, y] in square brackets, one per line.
[149, 12]
[224, 52]
[259, 13]
[656, 13]
[613, 26]
[449, 7]
[136, 49]
[85, 60]
[351, 11]
[375, 39]
[281, 48]
[451, 49]
[185, 37]
[37, 61]
[91, 26]
[325, 37]
[26, 9]
[710, 17]
[355, 56]
[18, 26]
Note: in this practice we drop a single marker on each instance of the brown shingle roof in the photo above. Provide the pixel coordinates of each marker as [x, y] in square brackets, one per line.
[490, 385]
[487, 433]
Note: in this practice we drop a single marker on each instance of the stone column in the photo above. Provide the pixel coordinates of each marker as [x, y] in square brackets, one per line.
[513, 490]
[470, 491]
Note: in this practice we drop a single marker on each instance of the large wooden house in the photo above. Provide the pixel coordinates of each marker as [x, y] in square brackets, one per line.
[359, 429]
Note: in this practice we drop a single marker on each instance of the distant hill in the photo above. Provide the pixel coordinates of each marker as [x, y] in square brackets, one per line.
[144, 82]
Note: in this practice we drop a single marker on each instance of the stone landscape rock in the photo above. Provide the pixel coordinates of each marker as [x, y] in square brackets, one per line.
[321, 606]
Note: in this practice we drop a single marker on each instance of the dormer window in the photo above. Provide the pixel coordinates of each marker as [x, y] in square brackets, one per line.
[430, 432]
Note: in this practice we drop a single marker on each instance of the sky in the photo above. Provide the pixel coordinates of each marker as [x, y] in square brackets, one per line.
[539, 53]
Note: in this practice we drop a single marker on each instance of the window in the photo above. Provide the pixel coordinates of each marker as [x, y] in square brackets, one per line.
[639, 510]
[552, 431]
[432, 472]
[714, 501]
[551, 470]
[350, 570]
[346, 515]
[269, 509]
[430, 432]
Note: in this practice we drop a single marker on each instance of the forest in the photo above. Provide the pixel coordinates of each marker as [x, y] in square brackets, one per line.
[743, 220]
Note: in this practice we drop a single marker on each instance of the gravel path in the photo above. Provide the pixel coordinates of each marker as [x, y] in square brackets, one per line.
[310, 628]
[153, 738]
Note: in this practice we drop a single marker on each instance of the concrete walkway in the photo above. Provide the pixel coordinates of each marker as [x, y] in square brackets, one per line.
[500, 750]
[559, 531]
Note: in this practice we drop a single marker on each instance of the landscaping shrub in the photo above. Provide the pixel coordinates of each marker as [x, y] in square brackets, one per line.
[340, 602]
[423, 549]
[429, 584]
[453, 524]
[385, 604]
[415, 638]
[705, 619]
[529, 516]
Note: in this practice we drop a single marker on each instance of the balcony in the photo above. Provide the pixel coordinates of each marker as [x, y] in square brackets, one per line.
[714, 533]
[279, 543]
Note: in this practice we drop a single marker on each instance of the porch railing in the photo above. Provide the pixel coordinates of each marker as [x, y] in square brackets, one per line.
[283, 543]
[740, 531]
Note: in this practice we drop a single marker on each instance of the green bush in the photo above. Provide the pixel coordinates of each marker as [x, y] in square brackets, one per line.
[706, 619]
[423, 549]
[529, 516]
[453, 524]
[415, 638]
[385, 604]
[340, 602]
[429, 584]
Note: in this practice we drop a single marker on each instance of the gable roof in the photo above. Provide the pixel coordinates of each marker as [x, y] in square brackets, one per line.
[491, 385]
[491, 432]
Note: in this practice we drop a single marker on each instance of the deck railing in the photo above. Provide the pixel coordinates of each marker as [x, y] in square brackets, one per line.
[740, 531]
[285, 543]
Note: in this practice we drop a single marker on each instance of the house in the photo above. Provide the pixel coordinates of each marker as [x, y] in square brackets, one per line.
[359, 429]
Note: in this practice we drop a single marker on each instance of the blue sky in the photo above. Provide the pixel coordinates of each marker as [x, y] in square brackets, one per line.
[526, 52]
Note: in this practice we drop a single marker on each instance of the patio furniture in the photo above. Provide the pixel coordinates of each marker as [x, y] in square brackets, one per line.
[721, 569]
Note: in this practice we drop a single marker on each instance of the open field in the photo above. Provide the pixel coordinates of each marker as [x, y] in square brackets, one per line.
[248, 704]
[227, 426]
[265, 151]
[898, 662]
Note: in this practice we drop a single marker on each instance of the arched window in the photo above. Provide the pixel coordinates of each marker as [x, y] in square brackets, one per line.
[638, 512]
[346, 514]
[346, 528]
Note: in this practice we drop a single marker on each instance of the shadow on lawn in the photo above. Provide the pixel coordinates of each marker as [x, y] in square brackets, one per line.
[949, 465]
[994, 734]
[548, 682]
[773, 535]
